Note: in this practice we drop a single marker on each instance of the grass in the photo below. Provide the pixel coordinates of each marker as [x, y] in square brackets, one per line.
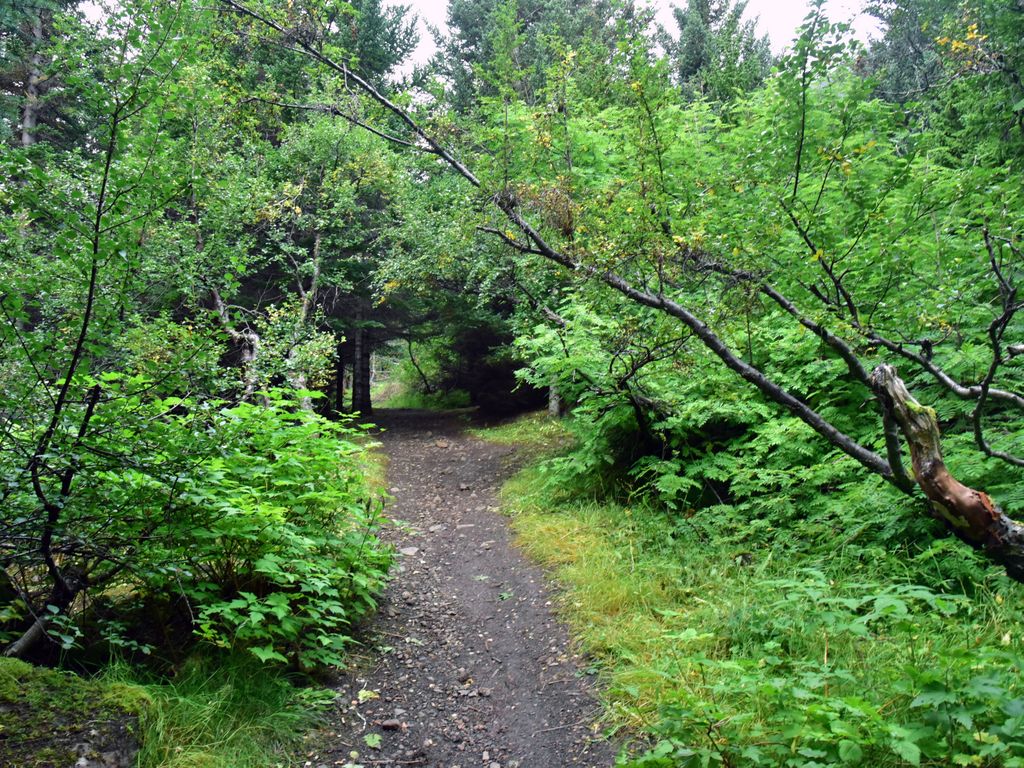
[375, 468]
[536, 435]
[436, 401]
[217, 712]
[799, 653]
[232, 713]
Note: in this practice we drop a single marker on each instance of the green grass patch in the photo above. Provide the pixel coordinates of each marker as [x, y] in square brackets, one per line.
[233, 713]
[435, 401]
[537, 435]
[795, 653]
[374, 467]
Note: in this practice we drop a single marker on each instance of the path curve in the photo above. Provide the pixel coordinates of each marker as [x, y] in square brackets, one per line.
[470, 665]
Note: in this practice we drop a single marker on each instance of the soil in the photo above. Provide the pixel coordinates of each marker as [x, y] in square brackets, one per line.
[465, 665]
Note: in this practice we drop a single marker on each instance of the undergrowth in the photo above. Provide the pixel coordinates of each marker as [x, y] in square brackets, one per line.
[222, 713]
[217, 712]
[535, 434]
[789, 643]
[435, 401]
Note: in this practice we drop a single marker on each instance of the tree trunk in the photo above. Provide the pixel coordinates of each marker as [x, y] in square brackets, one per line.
[428, 389]
[34, 85]
[970, 514]
[248, 345]
[361, 374]
[339, 379]
[555, 406]
[63, 595]
[360, 367]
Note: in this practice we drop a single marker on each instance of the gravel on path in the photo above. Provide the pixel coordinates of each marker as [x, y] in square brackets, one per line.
[465, 665]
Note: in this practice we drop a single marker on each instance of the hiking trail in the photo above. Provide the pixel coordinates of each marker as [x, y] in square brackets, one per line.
[465, 664]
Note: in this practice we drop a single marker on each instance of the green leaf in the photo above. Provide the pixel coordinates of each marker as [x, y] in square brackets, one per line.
[372, 740]
[850, 752]
[267, 653]
[907, 750]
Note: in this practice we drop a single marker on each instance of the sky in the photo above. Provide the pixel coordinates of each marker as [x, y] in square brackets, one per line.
[776, 18]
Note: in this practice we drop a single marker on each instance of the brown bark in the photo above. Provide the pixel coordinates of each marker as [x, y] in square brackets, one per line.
[969, 513]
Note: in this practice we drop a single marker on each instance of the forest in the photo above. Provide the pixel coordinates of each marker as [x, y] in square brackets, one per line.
[748, 320]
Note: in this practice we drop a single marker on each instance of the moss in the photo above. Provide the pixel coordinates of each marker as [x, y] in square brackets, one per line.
[51, 718]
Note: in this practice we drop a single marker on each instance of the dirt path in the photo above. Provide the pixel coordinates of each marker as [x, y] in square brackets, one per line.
[469, 664]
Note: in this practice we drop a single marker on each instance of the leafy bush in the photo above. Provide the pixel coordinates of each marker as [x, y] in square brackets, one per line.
[788, 680]
[257, 514]
[284, 558]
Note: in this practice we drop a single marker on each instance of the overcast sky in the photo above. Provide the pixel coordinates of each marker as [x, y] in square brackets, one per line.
[776, 18]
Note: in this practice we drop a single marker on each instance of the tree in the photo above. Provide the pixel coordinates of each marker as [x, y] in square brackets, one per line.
[475, 40]
[381, 39]
[130, 459]
[674, 261]
[717, 54]
[37, 100]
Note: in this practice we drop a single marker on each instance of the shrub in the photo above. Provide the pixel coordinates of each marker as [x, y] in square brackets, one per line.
[257, 514]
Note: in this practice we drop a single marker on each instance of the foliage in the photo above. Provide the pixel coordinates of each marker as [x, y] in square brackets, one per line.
[717, 54]
[221, 713]
[477, 39]
[787, 651]
[193, 221]
[137, 455]
[283, 556]
[254, 513]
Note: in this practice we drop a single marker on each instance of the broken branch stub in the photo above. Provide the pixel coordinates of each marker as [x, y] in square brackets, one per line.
[970, 514]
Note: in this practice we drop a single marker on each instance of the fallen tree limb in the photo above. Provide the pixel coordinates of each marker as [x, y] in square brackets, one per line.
[970, 514]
